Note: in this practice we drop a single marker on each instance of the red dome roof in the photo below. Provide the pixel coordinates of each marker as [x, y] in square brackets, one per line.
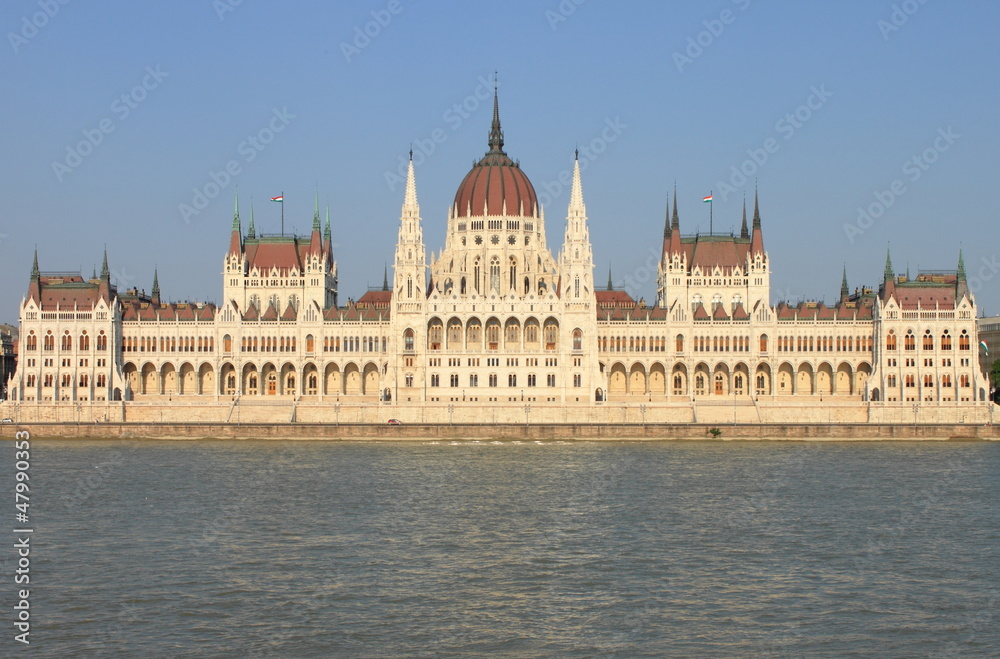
[494, 181]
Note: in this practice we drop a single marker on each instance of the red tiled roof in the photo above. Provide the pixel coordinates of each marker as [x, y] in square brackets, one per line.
[720, 313]
[251, 313]
[700, 313]
[739, 313]
[609, 299]
[290, 313]
[375, 300]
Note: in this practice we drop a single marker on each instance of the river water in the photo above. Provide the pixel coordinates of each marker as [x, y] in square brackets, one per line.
[510, 549]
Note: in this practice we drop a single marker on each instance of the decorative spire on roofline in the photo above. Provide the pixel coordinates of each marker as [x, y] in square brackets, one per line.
[744, 233]
[888, 266]
[496, 134]
[34, 266]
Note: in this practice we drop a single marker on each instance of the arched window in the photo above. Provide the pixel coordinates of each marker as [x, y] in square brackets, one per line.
[928, 341]
[909, 341]
[577, 339]
[84, 341]
[763, 342]
[435, 333]
[474, 333]
[495, 274]
[531, 331]
[461, 287]
[493, 334]
[890, 340]
[679, 343]
[67, 341]
[454, 334]
[946, 341]
[513, 273]
[476, 275]
[227, 343]
[551, 334]
[963, 341]
[310, 343]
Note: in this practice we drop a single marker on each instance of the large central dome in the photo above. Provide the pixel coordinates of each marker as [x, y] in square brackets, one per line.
[495, 185]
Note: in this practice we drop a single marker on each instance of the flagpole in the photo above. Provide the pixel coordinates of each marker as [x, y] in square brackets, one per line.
[282, 212]
[711, 202]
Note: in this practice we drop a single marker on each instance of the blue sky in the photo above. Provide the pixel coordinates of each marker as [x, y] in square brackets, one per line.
[654, 92]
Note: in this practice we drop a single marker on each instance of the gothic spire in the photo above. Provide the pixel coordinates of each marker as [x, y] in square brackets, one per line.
[410, 200]
[744, 233]
[757, 236]
[105, 273]
[327, 234]
[845, 292]
[756, 210]
[961, 266]
[676, 223]
[385, 277]
[251, 231]
[611, 286]
[236, 213]
[666, 221]
[888, 266]
[496, 135]
[576, 191]
[315, 226]
[34, 266]
[154, 296]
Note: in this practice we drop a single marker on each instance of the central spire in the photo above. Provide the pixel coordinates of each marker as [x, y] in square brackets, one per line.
[496, 135]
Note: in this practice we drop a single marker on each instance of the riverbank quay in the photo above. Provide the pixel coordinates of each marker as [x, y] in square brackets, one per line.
[480, 432]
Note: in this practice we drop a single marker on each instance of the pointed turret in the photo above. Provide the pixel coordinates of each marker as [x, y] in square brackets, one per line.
[155, 295]
[104, 288]
[251, 230]
[410, 198]
[35, 284]
[316, 239]
[665, 252]
[236, 238]
[385, 277]
[496, 134]
[845, 292]
[410, 264]
[757, 237]
[611, 285]
[889, 275]
[744, 232]
[961, 285]
[576, 205]
[328, 236]
[675, 228]
[316, 226]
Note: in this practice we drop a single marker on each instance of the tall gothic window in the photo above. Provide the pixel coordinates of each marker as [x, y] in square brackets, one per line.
[495, 274]
[513, 273]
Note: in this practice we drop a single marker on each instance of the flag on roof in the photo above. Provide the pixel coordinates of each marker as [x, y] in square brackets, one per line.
[982, 344]
[280, 198]
[707, 199]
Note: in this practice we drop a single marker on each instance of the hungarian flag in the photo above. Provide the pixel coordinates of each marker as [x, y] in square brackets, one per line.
[982, 344]
[707, 199]
[280, 198]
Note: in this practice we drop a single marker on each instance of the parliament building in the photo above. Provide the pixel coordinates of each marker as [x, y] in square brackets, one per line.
[497, 328]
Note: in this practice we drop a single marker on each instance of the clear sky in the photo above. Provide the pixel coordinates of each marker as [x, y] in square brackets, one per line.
[116, 112]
